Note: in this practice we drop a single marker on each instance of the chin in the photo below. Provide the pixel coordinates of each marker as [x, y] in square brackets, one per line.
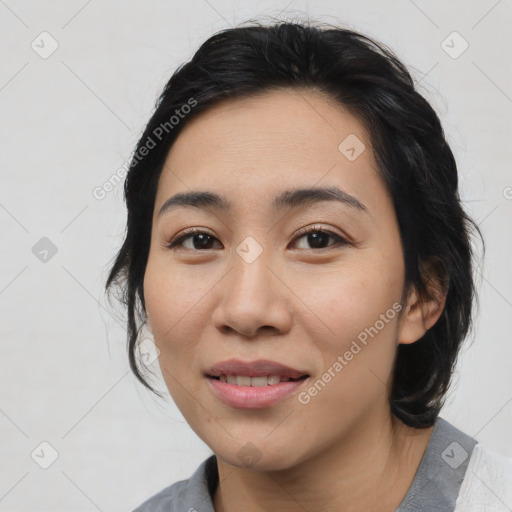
[259, 456]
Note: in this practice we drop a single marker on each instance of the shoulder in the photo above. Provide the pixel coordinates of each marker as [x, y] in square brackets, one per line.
[488, 482]
[164, 500]
[190, 495]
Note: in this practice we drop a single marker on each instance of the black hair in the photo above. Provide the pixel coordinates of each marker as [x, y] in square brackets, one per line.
[410, 148]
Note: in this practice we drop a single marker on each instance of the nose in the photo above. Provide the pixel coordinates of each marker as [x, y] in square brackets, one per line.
[253, 299]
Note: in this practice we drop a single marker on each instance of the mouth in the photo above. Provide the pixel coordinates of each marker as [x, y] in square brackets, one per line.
[261, 372]
[261, 381]
[255, 384]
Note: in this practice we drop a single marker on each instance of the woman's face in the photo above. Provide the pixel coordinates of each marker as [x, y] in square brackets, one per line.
[252, 287]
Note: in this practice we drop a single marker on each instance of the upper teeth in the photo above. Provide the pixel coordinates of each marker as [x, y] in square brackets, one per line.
[243, 380]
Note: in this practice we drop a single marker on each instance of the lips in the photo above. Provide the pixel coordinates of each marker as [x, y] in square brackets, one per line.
[254, 384]
[258, 368]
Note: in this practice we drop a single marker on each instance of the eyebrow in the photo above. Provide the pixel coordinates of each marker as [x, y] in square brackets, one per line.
[286, 199]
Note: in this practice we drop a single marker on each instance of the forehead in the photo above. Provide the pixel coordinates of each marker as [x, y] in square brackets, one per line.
[254, 147]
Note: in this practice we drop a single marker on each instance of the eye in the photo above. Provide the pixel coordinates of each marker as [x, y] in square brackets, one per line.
[317, 237]
[200, 240]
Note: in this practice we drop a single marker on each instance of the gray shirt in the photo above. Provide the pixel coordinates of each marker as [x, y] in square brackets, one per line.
[434, 489]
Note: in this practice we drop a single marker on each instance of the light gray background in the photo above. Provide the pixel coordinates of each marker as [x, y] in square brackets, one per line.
[70, 121]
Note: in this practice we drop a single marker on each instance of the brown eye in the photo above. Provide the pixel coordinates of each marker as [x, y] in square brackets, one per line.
[200, 240]
[318, 238]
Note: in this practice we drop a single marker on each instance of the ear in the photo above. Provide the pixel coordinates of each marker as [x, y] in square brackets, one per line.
[421, 313]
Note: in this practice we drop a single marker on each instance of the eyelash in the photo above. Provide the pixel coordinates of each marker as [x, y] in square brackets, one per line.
[340, 241]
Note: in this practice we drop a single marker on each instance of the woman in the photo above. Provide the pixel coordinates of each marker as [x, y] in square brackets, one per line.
[296, 245]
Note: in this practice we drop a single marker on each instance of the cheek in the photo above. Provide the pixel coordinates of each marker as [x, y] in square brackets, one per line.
[175, 314]
[346, 301]
[357, 361]
[173, 300]
[358, 313]
[173, 307]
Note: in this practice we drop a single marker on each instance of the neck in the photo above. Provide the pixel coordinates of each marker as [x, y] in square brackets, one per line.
[369, 469]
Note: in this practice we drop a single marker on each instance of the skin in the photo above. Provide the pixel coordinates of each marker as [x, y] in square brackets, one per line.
[296, 304]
